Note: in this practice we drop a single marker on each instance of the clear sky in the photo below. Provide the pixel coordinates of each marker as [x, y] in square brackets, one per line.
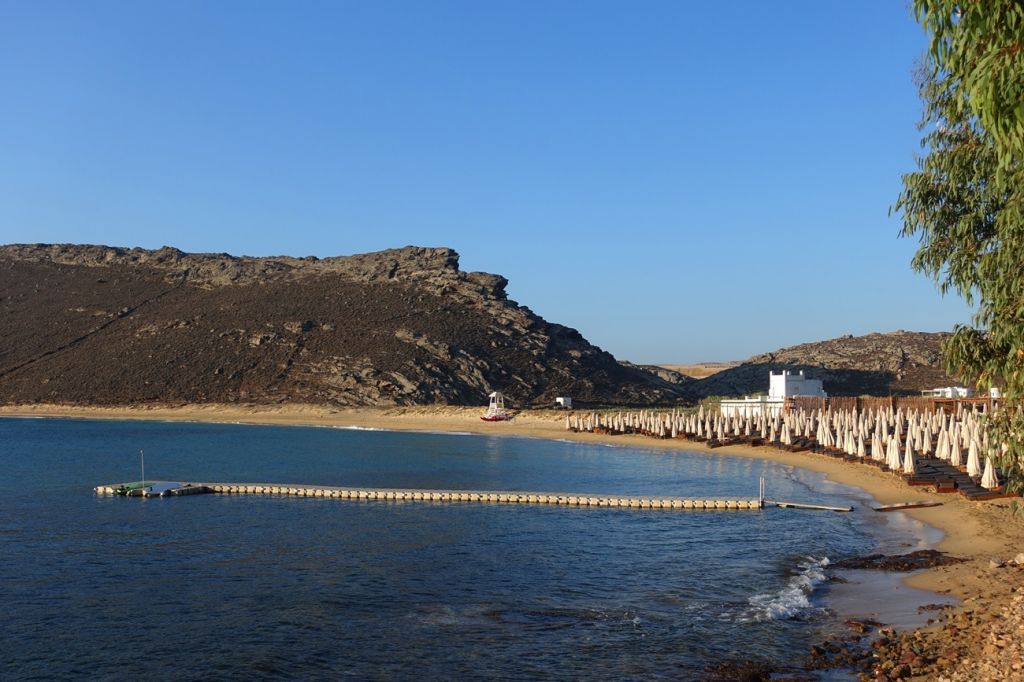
[680, 181]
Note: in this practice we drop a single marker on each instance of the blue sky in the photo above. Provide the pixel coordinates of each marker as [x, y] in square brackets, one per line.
[679, 181]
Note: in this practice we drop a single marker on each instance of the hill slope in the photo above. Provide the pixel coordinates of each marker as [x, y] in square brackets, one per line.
[875, 364]
[101, 325]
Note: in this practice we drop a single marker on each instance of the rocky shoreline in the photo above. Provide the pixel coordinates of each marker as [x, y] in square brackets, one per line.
[982, 639]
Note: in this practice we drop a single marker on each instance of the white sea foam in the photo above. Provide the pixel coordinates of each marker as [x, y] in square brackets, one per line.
[791, 600]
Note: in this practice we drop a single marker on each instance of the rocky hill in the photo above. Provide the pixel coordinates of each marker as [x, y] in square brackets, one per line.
[664, 373]
[102, 325]
[876, 364]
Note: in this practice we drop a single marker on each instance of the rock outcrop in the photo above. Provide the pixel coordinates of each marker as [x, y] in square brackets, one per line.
[102, 325]
[875, 364]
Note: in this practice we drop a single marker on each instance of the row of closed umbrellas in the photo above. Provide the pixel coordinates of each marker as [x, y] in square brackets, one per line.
[893, 437]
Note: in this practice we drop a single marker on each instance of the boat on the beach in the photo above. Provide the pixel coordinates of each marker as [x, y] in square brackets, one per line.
[899, 506]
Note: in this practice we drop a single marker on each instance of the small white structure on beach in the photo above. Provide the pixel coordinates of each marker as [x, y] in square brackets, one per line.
[948, 392]
[783, 385]
[564, 403]
[496, 409]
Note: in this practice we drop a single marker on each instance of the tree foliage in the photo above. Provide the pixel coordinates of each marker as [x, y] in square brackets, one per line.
[964, 202]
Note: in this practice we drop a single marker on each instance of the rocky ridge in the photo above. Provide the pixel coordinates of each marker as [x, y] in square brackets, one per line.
[896, 363]
[104, 325]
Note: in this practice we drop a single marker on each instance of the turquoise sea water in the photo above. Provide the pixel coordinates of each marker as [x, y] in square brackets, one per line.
[250, 587]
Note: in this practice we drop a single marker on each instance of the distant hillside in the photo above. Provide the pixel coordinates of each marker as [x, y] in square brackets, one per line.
[876, 364]
[102, 325]
[665, 373]
[699, 370]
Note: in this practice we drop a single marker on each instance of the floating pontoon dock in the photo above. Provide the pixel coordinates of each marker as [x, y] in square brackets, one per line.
[494, 497]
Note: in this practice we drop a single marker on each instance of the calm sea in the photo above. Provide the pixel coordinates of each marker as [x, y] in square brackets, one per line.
[249, 587]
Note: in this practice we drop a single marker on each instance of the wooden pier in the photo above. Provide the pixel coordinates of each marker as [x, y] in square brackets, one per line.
[478, 496]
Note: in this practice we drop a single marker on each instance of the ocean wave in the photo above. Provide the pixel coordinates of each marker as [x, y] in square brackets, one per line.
[792, 600]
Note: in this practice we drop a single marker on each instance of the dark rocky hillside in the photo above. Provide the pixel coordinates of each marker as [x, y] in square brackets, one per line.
[876, 364]
[101, 325]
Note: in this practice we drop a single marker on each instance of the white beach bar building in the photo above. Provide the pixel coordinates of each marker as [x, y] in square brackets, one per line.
[783, 385]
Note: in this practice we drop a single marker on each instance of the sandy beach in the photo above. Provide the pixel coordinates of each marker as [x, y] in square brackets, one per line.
[977, 531]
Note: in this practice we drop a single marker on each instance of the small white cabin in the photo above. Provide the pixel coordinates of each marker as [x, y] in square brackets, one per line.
[564, 403]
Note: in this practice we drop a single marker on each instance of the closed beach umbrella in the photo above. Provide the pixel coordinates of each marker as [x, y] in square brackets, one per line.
[877, 449]
[955, 458]
[942, 451]
[862, 451]
[989, 479]
[893, 455]
[973, 462]
[908, 461]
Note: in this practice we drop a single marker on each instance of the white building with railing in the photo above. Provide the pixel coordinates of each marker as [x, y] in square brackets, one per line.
[783, 385]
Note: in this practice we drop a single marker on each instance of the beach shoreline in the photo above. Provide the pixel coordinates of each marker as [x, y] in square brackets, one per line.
[975, 531]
